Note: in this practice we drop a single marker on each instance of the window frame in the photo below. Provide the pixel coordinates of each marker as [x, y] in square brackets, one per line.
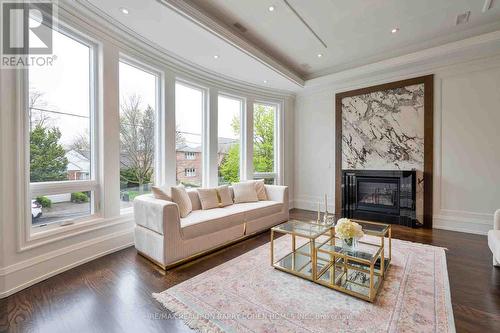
[205, 130]
[276, 174]
[66, 186]
[159, 114]
[243, 129]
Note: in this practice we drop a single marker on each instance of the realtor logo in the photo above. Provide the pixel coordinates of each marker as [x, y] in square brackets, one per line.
[26, 33]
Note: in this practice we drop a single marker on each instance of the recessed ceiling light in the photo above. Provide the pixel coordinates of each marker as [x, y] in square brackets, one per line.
[216, 56]
[124, 11]
[395, 30]
[271, 8]
[265, 81]
[320, 55]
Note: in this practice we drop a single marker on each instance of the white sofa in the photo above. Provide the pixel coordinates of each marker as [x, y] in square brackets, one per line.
[494, 239]
[166, 239]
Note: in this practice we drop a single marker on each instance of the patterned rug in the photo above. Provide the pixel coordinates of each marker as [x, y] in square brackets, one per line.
[247, 295]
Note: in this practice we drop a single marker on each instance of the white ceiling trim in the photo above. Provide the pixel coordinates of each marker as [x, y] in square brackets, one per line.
[463, 50]
[201, 19]
[83, 10]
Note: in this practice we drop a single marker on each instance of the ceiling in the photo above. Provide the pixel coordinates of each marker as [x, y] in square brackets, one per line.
[280, 47]
[183, 39]
[356, 32]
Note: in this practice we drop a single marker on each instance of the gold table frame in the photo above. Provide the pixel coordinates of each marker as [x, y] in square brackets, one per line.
[330, 265]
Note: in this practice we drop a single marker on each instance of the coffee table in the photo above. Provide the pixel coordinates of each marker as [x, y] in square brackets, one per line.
[323, 260]
[301, 261]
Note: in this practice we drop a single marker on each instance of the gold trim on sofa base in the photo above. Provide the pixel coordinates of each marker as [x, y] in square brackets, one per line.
[206, 252]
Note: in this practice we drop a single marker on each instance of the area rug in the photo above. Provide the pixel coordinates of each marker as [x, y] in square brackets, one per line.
[247, 295]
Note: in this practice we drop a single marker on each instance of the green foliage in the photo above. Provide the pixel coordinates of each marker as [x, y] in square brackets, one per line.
[263, 142]
[129, 177]
[44, 201]
[230, 165]
[79, 197]
[48, 160]
[263, 145]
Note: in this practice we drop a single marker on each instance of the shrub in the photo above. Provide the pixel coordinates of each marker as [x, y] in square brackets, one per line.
[79, 197]
[44, 201]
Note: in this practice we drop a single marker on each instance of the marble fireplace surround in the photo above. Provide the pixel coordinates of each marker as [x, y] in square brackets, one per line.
[402, 128]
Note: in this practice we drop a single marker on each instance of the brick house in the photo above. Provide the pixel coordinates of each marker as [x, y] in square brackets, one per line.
[189, 161]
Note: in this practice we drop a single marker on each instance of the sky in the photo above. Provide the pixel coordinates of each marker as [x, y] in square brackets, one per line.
[65, 87]
[188, 114]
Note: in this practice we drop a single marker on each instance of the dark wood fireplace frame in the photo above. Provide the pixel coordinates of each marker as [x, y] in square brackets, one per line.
[428, 82]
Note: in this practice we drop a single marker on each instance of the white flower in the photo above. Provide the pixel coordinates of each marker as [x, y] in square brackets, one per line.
[345, 228]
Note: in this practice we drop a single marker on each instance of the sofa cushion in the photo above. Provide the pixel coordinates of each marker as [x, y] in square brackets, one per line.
[245, 192]
[204, 222]
[226, 199]
[494, 243]
[182, 199]
[260, 189]
[256, 210]
[208, 198]
[161, 193]
[195, 199]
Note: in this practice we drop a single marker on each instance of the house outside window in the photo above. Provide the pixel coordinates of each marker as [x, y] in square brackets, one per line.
[191, 172]
[61, 121]
[190, 155]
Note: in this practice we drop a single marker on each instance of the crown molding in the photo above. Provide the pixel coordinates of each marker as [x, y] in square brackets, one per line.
[87, 16]
[464, 50]
[211, 25]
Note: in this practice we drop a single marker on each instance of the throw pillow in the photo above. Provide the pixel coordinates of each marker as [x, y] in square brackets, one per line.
[181, 198]
[161, 193]
[260, 189]
[224, 196]
[208, 198]
[245, 192]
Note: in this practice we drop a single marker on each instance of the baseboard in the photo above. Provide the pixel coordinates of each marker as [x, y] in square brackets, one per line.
[457, 223]
[446, 222]
[311, 205]
[25, 274]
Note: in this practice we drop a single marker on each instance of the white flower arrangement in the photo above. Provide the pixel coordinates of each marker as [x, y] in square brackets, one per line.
[345, 229]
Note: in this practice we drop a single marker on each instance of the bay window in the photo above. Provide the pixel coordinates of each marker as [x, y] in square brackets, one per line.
[61, 122]
[265, 121]
[139, 102]
[189, 142]
[229, 139]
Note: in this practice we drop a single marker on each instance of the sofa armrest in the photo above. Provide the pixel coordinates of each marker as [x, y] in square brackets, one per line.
[496, 220]
[277, 193]
[155, 214]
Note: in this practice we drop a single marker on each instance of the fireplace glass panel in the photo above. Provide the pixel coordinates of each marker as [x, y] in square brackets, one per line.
[377, 192]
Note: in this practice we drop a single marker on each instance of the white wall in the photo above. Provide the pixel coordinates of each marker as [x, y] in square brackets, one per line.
[467, 140]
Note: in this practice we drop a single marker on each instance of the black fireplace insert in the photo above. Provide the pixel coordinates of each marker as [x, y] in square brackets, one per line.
[380, 195]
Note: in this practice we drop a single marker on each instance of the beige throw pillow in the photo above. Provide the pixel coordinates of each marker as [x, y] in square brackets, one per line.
[245, 192]
[260, 189]
[224, 196]
[161, 193]
[181, 198]
[208, 198]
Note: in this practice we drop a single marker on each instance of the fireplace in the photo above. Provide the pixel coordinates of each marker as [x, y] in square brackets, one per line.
[380, 195]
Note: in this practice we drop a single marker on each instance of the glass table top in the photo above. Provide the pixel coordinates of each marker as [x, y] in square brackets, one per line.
[364, 252]
[302, 228]
[374, 229]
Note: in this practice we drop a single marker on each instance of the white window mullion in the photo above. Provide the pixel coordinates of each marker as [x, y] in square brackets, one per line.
[247, 144]
[212, 139]
[109, 130]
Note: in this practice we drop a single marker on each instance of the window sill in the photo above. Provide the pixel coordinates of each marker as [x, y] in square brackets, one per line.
[57, 233]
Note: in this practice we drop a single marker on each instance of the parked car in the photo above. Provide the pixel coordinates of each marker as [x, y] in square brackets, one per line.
[36, 209]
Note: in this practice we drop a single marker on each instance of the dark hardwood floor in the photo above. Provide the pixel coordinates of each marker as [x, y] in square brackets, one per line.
[113, 293]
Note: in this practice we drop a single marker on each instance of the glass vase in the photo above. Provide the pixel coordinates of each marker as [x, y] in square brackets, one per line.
[349, 244]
